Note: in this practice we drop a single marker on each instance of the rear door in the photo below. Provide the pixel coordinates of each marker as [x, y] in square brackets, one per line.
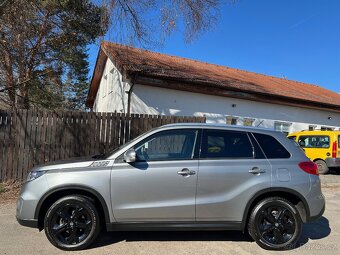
[232, 169]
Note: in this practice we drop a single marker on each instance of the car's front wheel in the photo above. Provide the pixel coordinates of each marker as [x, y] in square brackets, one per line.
[275, 224]
[72, 223]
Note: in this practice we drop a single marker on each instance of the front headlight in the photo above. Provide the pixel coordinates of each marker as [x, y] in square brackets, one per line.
[34, 175]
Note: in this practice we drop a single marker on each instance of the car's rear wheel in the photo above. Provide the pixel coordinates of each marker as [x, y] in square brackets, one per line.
[322, 166]
[72, 223]
[275, 224]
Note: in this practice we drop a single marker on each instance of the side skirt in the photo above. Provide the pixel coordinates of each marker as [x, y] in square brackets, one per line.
[173, 226]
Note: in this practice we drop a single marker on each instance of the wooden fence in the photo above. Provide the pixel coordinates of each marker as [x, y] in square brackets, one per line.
[32, 137]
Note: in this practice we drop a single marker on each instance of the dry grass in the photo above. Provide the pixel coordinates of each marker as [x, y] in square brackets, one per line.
[9, 191]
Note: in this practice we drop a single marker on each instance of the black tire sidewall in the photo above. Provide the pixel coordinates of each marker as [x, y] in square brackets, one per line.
[76, 200]
[256, 213]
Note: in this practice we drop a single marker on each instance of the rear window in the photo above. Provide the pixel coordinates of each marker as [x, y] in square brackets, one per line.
[314, 141]
[271, 147]
[226, 144]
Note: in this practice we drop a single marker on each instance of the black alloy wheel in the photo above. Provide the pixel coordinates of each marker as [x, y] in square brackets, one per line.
[72, 223]
[275, 224]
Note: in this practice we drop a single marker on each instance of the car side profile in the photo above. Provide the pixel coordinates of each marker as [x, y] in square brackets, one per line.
[178, 177]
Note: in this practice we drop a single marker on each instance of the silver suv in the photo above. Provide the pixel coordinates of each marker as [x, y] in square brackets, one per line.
[178, 177]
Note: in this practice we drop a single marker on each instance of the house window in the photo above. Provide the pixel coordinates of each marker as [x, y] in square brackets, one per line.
[105, 86]
[231, 120]
[311, 127]
[283, 127]
[248, 122]
[326, 128]
[110, 81]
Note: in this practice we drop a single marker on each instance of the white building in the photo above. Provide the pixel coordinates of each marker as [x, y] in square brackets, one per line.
[131, 80]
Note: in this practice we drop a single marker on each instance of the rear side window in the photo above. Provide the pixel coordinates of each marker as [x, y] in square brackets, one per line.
[226, 144]
[271, 147]
[314, 141]
[338, 141]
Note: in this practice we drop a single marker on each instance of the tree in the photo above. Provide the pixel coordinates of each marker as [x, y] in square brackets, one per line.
[43, 58]
[148, 21]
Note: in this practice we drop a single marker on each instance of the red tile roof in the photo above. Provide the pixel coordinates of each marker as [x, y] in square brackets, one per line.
[163, 66]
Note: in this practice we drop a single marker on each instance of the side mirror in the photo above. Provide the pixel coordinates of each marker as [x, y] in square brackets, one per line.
[130, 156]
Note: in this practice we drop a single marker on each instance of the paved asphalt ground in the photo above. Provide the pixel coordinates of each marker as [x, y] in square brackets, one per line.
[322, 236]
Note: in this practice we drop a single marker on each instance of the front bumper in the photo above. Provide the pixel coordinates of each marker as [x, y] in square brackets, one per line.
[333, 162]
[28, 223]
[25, 216]
[27, 202]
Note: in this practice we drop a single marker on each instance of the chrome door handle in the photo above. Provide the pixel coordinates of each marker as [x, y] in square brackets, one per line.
[256, 170]
[186, 172]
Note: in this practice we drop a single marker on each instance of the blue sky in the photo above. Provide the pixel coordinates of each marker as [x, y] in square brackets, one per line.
[298, 39]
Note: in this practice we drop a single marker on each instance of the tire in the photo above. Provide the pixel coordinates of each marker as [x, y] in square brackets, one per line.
[275, 224]
[72, 223]
[322, 166]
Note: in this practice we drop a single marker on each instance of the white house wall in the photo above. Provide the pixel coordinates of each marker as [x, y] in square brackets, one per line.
[111, 94]
[153, 100]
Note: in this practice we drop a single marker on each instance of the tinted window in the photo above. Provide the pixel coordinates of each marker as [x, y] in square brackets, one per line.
[292, 137]
[258, 153]
[271, 147]
[226, 144]
[167, 145]
[314, 141]
[338, 141]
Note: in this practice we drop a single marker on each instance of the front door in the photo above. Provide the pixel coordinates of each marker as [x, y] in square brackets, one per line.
[161, 184]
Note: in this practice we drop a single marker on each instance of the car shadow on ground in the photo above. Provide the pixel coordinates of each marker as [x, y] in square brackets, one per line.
[334, 171]
[316, 230]
[108, 238]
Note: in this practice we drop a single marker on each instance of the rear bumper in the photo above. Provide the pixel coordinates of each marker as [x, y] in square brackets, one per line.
[317, 216]
[333, 162]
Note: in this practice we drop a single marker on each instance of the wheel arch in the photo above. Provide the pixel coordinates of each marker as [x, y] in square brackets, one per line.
[56, 193]
[291, 195]
[316, 159]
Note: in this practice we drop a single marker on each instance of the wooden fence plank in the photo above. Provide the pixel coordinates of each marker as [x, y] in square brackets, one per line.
[32, 137]
[6, 146]
[3, 145]
[22, 140]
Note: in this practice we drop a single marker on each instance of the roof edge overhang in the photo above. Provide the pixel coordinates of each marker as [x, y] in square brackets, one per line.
[96, 76]
[216, 90]
[195, 86]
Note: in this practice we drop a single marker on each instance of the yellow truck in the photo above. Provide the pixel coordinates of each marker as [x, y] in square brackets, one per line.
[322, 147]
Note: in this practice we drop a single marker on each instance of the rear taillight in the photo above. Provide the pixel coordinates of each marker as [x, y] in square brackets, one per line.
[309, 167]
[334, 149]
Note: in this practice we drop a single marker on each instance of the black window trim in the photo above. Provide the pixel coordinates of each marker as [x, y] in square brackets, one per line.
[258, 145]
